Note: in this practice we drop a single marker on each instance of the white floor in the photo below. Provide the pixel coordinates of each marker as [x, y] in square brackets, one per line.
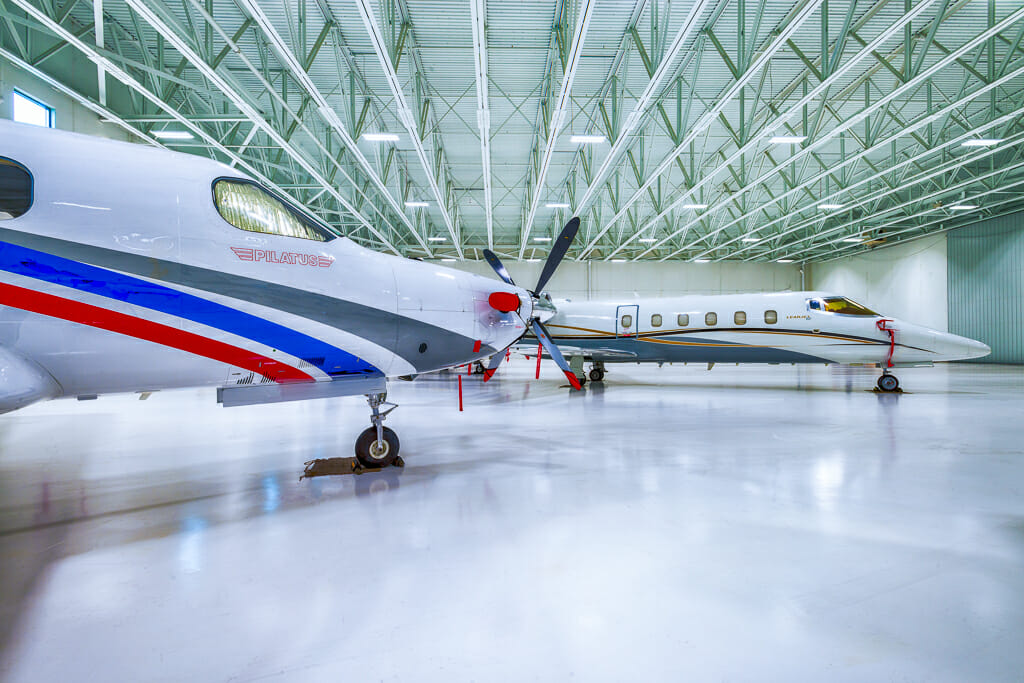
[749, 523]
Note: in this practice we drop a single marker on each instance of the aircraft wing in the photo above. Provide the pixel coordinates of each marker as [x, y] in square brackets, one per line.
[23, 381]
[596, 353]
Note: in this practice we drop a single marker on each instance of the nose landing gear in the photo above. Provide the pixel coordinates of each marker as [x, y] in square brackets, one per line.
[888, 383]
[597, 372]
[378, 446]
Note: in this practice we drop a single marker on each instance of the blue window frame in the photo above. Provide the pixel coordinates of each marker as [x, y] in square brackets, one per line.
[27, 109]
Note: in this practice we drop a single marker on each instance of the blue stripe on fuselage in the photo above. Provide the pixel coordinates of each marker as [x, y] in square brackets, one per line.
[131, 290]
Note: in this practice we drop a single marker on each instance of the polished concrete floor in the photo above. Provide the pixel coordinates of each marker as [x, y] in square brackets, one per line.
[744, 524]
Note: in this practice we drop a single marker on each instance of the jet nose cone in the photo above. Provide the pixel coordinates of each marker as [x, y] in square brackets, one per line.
[977, 349]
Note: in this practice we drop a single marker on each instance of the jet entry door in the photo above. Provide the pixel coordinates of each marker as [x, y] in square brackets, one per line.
[626, 320]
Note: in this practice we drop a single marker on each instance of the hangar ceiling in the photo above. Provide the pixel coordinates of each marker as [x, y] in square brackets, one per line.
[482, 102]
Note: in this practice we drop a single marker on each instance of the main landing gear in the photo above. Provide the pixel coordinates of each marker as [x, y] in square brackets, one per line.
[378, 446]
[597, 372]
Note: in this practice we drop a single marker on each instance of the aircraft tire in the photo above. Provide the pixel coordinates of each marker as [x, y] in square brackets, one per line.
[368, 456]
[596, 375]
[888, 383]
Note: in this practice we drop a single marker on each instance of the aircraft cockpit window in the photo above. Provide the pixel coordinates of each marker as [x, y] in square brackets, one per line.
[247, 206]
[656, 320]
[683, 320]
[711, 319]
[771, 317]
[15, 189]
[844, 306]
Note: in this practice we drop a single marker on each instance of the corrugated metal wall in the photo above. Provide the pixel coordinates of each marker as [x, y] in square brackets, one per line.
[986, 285]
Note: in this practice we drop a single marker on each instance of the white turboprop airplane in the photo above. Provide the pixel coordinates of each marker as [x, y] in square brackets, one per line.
[125, 268]
[786, 327]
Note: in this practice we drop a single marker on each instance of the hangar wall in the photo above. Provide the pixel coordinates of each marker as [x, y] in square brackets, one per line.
[70, 115]
[986, 286]
[605, 280]
[906, 281]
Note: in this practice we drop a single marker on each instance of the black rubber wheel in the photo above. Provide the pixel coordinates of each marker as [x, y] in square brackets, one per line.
[888, 383]
[596, 375]
[370, 456]
[582, 380]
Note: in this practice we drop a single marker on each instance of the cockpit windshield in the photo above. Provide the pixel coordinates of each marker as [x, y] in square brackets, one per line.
[840, 304]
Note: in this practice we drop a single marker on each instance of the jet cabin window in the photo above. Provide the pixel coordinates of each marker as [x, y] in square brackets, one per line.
[683, 320]
[771, 317]
[841, 305]
[15, 190]
[247, 206]
[656, 320]
[711, 319]
[740, 317]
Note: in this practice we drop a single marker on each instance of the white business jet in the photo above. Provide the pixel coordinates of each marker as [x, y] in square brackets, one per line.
[788, 327]
[125, 268]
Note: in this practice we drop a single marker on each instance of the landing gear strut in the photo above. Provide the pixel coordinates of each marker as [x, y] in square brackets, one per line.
[597, 372]
[378, 446]
[888, 382]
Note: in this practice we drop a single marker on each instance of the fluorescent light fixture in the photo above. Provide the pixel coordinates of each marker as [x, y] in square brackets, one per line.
[618, 260]
[853, 240]
[981, 142]
[647, 239]
[785, 260]
[436, 239]
[830, 207]
[532, 260]
[380, 137]
[701, 260]
[541, 239]
[172, 134]
[556, 205]
[587, 139]
[751, 239]
[448, 260]
[416, 205]
[964, 207]
[694, 206]
[787, 139]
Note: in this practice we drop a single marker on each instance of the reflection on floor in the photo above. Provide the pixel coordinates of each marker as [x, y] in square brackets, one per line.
[747, 523]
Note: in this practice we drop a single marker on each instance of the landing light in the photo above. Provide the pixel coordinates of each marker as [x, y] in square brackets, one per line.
[172, 134]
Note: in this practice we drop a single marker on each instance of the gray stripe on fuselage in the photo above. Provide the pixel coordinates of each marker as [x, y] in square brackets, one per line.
[444, 347]
[715, 352]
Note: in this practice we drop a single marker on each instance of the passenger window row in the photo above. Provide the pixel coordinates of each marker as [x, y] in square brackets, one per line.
[711, 319]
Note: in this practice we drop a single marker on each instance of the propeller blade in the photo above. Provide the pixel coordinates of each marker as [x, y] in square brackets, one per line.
[498, 266]
[556, 355]
[558, 250]
[492, 365]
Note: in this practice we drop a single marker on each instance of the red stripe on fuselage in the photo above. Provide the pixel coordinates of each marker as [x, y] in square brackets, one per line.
[94, 316]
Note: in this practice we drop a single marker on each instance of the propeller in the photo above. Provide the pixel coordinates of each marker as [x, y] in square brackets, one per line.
[557, 253]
